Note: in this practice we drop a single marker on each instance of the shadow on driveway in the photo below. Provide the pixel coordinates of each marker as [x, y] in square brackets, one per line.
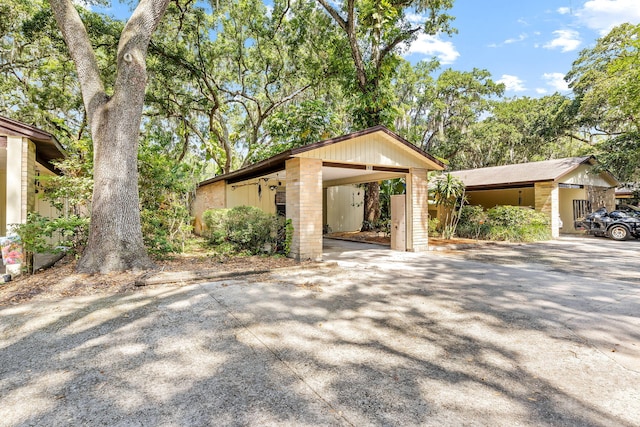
[384, 338]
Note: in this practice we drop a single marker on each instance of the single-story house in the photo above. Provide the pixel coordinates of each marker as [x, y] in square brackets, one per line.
[565, 189]
[316, 187]
[26, 153]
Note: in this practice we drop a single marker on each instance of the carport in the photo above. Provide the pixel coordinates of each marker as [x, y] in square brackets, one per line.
[295, 183]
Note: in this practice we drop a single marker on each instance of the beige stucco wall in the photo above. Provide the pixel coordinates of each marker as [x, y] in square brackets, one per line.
[566, 198]
[512, 196]
[254, 192]
[344, 208]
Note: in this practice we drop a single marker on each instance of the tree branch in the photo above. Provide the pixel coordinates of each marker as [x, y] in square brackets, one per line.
[76, 37]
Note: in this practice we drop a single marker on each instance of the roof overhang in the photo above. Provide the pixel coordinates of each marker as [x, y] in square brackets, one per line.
[334, 171]
[47, 146]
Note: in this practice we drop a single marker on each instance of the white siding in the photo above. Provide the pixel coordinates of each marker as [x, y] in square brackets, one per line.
[345, 208]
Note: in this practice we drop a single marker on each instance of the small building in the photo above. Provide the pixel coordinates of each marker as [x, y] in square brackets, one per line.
[565, 189]
[26, 153]
[316, 187]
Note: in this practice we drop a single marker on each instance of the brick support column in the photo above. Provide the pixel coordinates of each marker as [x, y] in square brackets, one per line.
[417, 211]
[304, 207]
[547, 201]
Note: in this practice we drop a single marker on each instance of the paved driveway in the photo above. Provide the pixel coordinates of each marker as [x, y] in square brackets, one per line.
[384, 338]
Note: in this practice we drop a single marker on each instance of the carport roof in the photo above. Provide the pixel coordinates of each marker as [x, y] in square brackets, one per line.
[523, 173]
[277, 162]
[47, 146]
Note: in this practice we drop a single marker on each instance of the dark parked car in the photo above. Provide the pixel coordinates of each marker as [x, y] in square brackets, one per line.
[617, 225]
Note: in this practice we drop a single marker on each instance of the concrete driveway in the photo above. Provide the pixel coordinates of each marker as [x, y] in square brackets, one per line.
[382, 338]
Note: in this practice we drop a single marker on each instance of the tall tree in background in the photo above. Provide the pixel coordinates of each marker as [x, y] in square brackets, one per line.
[606, 82]
[376, 30]
[115, 237]
[437, 114]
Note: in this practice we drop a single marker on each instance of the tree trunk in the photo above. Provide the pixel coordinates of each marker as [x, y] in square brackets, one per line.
[371, 205]
[115, 236]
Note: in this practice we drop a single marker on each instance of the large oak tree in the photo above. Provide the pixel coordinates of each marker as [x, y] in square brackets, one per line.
[115, 237]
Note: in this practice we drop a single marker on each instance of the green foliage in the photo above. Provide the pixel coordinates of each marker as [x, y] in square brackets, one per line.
[605, 80]
[388, 188]
[248, 229]
[510, 223]
[474, 223]
[165, 191]
[51, 235]
[449, 193]
[434, 227]
[296, 125]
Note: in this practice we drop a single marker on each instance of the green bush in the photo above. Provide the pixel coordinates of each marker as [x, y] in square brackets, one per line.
[51, 235]
[509, 223]
[473, 223]
[247, 229]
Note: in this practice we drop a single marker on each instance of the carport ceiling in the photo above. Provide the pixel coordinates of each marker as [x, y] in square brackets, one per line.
[336, 174]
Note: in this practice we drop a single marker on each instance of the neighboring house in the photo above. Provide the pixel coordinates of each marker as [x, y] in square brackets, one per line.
[624, 196]
[565, 189]
[316, 187]
[26, 153]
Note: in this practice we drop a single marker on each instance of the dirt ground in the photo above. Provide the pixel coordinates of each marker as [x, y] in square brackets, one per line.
[63, 281]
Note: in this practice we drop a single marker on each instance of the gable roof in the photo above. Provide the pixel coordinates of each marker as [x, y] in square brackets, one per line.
[47, 146]
[523, 173]
[277, 162]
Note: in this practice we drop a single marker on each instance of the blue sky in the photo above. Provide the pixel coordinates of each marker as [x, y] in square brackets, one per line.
[529, 45]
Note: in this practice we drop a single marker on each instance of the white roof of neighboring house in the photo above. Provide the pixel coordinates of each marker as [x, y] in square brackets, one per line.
[524, 173]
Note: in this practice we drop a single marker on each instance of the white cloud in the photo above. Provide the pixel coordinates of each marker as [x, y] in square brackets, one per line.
[566, 40]
[414, 18]
[428, 45]
[556, 81]
[564, 10]
[603, 15]
[512, 83]
[541, 90]
[520, 38]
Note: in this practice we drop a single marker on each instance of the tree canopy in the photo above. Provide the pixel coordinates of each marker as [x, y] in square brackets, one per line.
[204, 88]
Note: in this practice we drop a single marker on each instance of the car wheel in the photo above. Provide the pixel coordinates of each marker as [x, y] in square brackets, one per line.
[619, 232]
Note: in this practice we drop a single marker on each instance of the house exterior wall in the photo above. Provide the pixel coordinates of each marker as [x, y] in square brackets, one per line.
[417, 213]
[254, 192]
[3, 199]
[304, 207]
[344, 208]
[20, 176]
[547, 201]
[211, 196]
[511, 196]
[373, 149]
[566, 198]
[583, 175]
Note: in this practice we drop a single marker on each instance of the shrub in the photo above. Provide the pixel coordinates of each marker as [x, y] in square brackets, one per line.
[248, 229]
[51, 235]
[510, 223]
[473, 222]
